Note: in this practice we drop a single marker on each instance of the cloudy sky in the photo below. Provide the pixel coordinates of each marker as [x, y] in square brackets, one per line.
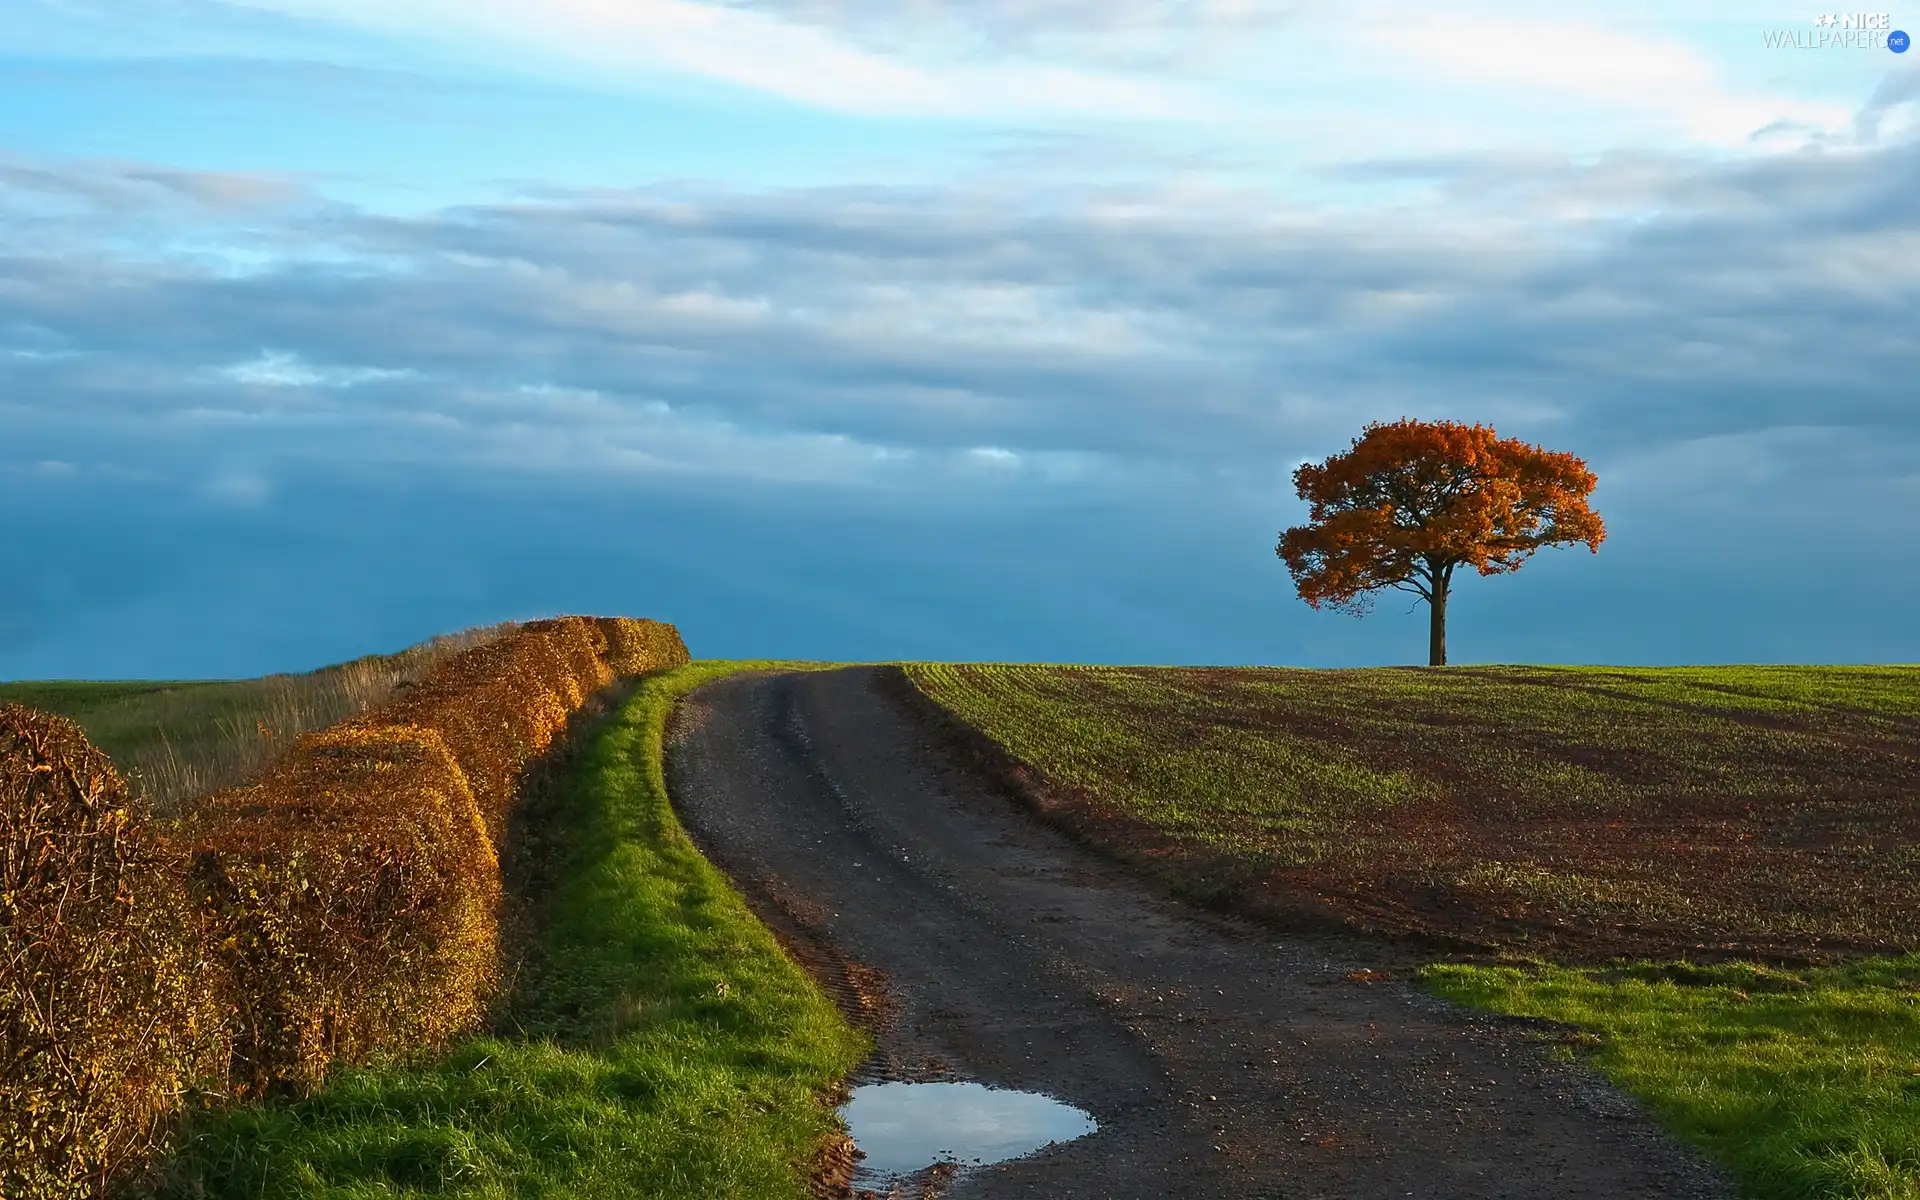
[939, 328]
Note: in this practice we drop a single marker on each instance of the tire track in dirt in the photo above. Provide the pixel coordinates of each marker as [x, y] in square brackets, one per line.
[1219, 1058]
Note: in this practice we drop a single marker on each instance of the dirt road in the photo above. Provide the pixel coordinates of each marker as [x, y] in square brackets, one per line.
[1220, 1059]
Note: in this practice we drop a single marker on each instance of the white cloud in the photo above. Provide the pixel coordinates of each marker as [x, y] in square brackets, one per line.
[805, 63]
[277, 368]
[1607, 65]
[1268, 88]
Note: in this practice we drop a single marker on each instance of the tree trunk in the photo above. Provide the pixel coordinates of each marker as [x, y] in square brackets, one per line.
[1437, 627]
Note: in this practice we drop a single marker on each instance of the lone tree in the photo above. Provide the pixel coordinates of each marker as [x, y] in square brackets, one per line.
[1413, 500]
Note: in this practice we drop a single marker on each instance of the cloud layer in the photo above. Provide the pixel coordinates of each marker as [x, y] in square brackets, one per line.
[1041, 402]
[871, 334]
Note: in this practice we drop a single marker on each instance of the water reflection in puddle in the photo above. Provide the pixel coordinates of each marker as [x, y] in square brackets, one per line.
[904, 1127]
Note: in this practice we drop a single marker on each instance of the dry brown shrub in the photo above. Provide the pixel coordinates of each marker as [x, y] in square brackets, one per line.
[355, 888]
[635, 647]
[106, 1013]
[501, 705]
[352, 894]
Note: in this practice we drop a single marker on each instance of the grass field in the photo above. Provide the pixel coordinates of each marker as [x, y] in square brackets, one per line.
[125, 717]
[659, 1044]
[1648, 829]
[180, 739]
[177, 739]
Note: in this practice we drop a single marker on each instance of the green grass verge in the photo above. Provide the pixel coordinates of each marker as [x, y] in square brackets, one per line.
[666, 1046]
[1805, 1083]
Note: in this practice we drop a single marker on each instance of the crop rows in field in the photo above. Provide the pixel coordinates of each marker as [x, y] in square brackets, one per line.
[1707, 811]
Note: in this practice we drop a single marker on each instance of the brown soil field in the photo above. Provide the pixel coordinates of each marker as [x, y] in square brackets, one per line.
[1579, 814]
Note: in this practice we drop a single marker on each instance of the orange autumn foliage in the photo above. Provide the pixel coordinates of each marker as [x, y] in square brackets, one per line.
[109, 1012]
[351, 891]
[1414, 500]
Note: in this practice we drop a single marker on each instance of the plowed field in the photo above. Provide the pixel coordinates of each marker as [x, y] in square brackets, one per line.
[1578, 813]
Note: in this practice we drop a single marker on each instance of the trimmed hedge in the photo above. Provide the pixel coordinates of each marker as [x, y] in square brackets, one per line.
[351, 895]
[636, 647]
[353, 892]
[107, 1015]
[343, 906]
[501, 705]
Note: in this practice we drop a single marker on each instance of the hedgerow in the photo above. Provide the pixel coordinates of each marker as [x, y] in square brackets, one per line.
[106, 1012]
[343, 906]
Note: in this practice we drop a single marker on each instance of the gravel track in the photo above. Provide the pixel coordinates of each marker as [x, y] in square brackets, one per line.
[1220, 1058]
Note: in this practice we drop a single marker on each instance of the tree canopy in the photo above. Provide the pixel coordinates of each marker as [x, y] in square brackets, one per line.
[1411, 501]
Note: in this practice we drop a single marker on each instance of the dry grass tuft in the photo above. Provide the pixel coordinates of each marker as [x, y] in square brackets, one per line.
[232, 735]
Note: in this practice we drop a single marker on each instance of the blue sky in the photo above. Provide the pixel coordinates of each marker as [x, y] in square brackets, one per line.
[870, 328]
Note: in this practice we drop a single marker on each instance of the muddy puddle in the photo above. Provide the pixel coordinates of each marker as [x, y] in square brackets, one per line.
[903, 1128]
